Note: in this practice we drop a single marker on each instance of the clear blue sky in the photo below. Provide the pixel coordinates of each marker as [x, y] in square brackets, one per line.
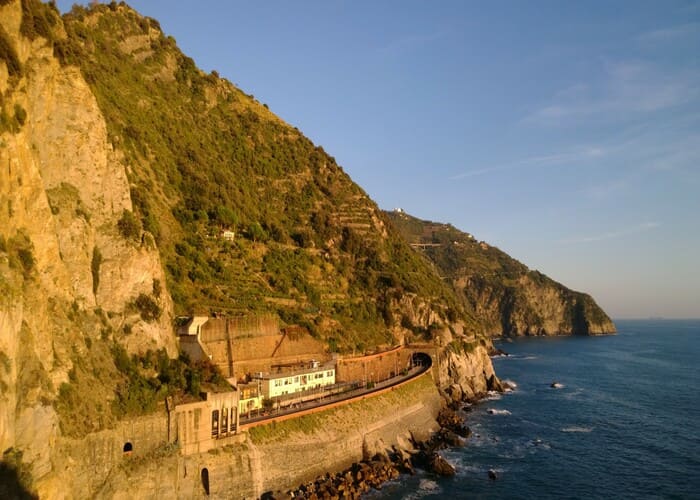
[567, 134]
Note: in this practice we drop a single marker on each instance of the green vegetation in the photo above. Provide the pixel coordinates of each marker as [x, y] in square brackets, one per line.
[139, 394]
[38, 19]
[344, 417]
[129, 226]
[489, 276]
[142, 383]
[11, 121]
[9, 56]
[206, 157]
[147, 307]
[21, 253]
[459, 346]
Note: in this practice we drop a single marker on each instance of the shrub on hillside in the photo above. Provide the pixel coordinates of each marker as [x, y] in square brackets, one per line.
[129, 226]
[147, 307]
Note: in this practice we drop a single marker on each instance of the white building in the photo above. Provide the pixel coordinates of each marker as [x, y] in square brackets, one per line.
[296, 381]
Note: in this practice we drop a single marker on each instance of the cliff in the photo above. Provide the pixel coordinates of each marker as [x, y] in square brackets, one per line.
[135, 187]
[68, 279]
[204, 158]
[508, 298]
[121, 165]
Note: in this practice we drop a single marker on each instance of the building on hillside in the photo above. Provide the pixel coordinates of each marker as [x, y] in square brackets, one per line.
[228, 235]
[250, 397]
[296, 380]
[198, 425]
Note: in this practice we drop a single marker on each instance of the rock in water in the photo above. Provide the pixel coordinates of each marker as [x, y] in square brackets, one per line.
[440, 466]
[492, 475]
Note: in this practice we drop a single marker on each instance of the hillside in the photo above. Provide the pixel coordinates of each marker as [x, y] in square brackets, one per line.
[504, 294]
[136, 188]
[123, 165]
[203, 157]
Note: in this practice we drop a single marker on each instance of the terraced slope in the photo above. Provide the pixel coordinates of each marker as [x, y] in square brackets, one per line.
[505, 294]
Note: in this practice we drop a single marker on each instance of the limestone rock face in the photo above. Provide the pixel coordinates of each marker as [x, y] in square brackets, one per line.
[534, 308]
[466, 375]
[62, 191]
[501, 294]
[70, 279]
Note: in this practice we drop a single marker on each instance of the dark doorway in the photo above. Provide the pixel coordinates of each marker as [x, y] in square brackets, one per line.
[205, 480]
[128, 448]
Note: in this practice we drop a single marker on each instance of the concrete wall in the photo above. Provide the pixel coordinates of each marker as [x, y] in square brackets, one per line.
[287, 456]
[90, 459]
[372, 368]
[239, 346]
[198, 425]
[218, 329]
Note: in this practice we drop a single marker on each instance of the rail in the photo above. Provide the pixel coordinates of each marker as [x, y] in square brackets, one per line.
[325, 400]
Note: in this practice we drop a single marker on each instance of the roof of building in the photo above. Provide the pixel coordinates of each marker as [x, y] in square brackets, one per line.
[293, 371]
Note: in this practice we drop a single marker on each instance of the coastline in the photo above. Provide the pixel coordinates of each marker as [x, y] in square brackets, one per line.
[390, 464]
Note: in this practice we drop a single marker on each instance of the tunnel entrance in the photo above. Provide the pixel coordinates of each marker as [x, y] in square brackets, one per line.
[128, 448]
[421, 359]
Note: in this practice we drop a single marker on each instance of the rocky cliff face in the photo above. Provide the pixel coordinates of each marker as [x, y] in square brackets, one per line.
[533, 305]
[77, 267]
[502, 294]
[120, 165]
[465, 371]
[68, 278]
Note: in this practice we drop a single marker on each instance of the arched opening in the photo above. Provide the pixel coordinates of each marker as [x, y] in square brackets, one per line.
[205, 480]
[128, 448]
[421, 359]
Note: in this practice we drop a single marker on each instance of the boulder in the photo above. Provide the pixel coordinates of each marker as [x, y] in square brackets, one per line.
[440, 466]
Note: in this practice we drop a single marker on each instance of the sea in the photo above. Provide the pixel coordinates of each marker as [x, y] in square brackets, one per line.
[613, 416]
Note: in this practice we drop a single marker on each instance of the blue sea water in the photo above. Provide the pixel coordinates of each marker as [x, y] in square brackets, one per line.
[625, 422]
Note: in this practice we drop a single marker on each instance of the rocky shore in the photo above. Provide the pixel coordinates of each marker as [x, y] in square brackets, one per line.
[372, 473]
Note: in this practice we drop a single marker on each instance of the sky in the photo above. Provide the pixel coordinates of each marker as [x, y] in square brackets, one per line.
[565, 133]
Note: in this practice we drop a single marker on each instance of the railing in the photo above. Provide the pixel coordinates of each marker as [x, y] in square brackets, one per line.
[325, 399]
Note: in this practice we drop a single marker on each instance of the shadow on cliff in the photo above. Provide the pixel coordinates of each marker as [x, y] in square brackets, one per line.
[11, 484]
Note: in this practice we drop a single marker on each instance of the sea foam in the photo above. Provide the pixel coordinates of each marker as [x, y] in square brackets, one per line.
[495, 411]
[577, 428]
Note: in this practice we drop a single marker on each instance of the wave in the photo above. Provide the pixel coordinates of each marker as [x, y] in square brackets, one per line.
[538, 443]
[577, 428]
[465, 467]
[425, 487]
[492, 396]
[495, 411]
[556, 385]
[509, 385]
[520, 357]
[574, 395]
